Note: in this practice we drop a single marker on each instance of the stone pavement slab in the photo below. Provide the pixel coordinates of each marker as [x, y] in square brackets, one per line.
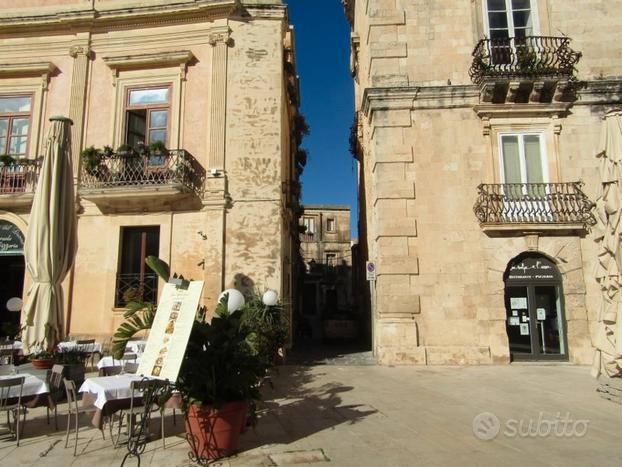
[515, 415]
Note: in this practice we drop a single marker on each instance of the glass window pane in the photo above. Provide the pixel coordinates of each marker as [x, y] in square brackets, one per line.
[511, 160]
[521, 4]
[15, 104]
[149, 96]
[159, 118]
[157, 135]
[498, 5]
[533, 159]
[2, 145]
[499, 34]
[18, 145]
[497, 20]
[136, 126]
[4, 127]
[20, 126]
[522, 19]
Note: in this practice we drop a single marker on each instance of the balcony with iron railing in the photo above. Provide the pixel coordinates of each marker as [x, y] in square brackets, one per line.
[136, 287]
[521, 207]
[18, 180]
[148, 180]
[540, 68]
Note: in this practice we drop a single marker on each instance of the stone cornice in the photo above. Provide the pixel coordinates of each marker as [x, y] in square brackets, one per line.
[521, 110]
[176, 58]
[130, 12]
[418, 97]
[26, 69]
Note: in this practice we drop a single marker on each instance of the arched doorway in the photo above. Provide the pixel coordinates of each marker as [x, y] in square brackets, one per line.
[12, 268]
[534, 304]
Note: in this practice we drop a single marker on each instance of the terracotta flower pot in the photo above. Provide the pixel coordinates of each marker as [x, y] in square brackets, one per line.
[43, 363]
[215, 434]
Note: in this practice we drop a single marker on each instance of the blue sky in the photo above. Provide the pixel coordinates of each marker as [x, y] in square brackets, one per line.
[327, 102]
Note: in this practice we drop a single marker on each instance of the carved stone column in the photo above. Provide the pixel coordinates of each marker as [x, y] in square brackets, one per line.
[77, 103]
[220, 40]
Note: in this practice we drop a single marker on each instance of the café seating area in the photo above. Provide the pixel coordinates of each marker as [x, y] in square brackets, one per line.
[45, 402]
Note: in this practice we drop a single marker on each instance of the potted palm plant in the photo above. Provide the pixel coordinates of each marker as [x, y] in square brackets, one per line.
[219, 383]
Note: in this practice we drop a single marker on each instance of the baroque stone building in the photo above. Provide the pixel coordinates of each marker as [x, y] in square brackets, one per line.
[197, 101]
[326, 299]
[477, 120]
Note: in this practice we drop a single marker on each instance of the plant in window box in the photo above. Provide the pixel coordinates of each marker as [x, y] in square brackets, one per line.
[157, 154]
[7, 160]
[91, 159]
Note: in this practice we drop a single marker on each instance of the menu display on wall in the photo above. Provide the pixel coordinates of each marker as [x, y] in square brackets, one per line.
[170, 332]
[524, 329]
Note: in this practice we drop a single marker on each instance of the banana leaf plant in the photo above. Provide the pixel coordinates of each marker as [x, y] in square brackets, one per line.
[139, 315]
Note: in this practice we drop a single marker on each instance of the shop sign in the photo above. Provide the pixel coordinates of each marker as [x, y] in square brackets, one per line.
[533, 269]
[11, 239]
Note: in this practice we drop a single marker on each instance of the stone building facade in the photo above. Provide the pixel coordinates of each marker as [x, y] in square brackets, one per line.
[326, 250]
[476, 121]
[215, 82]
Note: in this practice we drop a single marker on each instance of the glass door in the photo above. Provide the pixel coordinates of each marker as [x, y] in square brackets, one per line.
[534, 323]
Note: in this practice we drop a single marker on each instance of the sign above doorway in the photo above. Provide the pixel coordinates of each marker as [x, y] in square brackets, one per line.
[11, 239]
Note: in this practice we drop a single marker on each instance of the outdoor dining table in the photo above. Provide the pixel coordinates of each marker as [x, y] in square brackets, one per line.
[109, 361]
[35, 392]
[17, 347]
[110, 394]
[73, 345]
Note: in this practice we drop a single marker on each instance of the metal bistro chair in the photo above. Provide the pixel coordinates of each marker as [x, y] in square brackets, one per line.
[11, 402]
[6, 352]
[56, 391]
[88, 347]
[74, 409]
[139, 390]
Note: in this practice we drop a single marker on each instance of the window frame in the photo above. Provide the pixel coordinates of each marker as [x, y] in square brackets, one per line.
[510, 18]
[330, 228]
[127, 107]
[544, 160]
[311, 227]
[10, 116]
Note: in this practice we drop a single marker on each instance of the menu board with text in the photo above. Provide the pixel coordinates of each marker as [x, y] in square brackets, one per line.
[170, 332]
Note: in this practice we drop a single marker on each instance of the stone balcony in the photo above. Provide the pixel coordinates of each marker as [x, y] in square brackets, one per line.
[532, 69]
[516, 208]
[132, 181]
[18, 181]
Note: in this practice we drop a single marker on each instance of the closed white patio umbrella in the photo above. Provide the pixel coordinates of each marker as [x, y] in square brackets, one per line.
[607, 338]
[51, 240]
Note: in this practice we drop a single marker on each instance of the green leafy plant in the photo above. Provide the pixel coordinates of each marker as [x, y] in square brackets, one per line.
[7, 159]
[266, 327]
[220, 364]
[158, 147]
[125, 150]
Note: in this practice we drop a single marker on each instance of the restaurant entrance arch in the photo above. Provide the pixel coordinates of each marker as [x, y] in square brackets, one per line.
[12, 267]
[534, 304]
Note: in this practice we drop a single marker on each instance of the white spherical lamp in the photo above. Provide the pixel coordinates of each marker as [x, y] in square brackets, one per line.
[270, 298]
[236, 299]
[14, 304]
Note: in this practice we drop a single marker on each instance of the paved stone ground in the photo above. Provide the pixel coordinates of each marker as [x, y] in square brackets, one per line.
[386, 416]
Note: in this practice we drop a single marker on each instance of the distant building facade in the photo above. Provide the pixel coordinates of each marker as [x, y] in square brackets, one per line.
[477, 121]
[198, 102]
[326, 249]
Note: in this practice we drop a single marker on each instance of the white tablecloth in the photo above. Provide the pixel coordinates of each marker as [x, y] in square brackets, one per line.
[108, 361]
[32, 385]
[17, 345]
[72, 345]
[108, 388]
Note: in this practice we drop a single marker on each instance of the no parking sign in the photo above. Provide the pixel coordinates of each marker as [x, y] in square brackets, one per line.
[371, 271]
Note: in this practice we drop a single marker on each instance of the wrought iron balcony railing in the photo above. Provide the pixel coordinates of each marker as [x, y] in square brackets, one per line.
[534, 203]
[523, 57]
[175, 167]
[20, 176]
[136, 287]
